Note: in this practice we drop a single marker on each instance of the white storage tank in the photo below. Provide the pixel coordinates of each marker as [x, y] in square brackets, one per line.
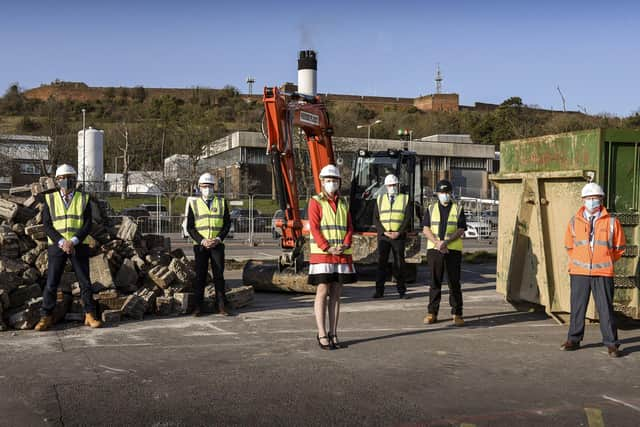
[91, 158]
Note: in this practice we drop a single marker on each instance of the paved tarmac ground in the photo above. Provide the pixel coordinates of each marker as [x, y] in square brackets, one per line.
[263, 367]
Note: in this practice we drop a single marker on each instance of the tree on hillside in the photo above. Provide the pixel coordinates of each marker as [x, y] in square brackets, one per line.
[138, 94]
[13, 100]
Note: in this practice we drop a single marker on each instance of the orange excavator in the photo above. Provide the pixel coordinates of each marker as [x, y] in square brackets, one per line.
[284, 113]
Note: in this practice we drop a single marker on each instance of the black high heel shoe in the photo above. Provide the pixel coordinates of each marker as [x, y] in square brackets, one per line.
[333, 341]
[324, 346]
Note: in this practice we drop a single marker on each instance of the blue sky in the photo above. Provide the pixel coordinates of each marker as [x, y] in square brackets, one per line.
[488, 51]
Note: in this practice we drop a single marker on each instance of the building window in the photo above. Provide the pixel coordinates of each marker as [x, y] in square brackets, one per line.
[29, 169]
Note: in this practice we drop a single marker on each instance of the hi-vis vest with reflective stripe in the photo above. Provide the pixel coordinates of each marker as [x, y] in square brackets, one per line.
[333, 225]
[391, 216]
[583, 260]
[208, 222]
[452, 226]
[67, 220]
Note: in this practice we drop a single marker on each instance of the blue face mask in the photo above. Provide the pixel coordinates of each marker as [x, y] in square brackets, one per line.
[592, 204]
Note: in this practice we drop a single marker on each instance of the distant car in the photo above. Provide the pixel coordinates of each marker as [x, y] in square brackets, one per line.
[154, 210]
[135, 213]
[240, 220]
[279, 214]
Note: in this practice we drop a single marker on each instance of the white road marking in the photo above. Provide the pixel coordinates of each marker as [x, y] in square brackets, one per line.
[628, 405]
[126, 371]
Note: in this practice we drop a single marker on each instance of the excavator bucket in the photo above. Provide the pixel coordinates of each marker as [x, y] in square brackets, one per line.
[266, 276]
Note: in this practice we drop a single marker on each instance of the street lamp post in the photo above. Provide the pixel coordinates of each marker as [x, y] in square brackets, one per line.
[369, 130]
[84, 147]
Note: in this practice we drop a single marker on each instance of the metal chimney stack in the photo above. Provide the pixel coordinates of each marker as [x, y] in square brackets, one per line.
[307, 73]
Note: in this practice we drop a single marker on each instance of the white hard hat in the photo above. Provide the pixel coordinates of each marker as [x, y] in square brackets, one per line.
[330, 171]
[207, 178]
[65, 170]
[391, 179]
[592, 189]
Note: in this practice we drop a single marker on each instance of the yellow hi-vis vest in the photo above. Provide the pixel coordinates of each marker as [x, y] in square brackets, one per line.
[391, 216]
[452, 226]
[67, 220]
[333, 225]
[208, 222]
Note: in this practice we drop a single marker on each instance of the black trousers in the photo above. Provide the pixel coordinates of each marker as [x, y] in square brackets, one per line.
[602, 289]
[438, 263]
[397, 247]
[203, 256]
[57, 262]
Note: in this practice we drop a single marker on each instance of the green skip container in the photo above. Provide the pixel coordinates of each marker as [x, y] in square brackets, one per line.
[539, 184]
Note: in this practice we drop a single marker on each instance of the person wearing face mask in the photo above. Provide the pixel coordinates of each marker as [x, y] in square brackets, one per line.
[443, 225]
[208, 223]
[594, 241]
[66, 217]
[330, 261]
[392, 218]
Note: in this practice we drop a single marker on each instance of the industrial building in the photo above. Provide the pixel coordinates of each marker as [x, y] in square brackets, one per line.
[240, 163]
[22, 159]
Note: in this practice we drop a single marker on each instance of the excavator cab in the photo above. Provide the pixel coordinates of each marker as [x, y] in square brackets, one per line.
[367, 183]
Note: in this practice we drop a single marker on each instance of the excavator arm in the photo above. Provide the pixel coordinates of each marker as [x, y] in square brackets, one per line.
[283, 113]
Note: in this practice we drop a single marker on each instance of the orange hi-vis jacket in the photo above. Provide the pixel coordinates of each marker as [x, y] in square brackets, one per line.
[608, 244]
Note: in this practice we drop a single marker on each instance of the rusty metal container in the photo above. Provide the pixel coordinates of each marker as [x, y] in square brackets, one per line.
[540, 181]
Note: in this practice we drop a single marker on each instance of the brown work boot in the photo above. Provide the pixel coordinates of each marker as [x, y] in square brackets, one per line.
[45, 323]
[430, 318]
[89, 320]
[570, 346]
[222, 310]
[458, 320]
[613, 351]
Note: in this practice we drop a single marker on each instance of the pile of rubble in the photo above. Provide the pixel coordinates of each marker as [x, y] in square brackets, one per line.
[132, 274]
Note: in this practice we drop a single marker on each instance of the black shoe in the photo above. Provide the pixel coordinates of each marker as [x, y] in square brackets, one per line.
[333, 340]
[197, 312]
[324, 346]
[403, 295]
[378, 295]
[570, 346]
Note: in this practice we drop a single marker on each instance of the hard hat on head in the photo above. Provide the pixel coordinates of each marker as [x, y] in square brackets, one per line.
[391, 179]
[65, 170]
[330, 171]
[592, 189]
[444, 186]
[207, 178]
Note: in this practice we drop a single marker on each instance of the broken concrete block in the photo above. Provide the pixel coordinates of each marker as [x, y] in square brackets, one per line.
[9, 243]
[149, 296]
[178, 253]
[10, 281]
[184, 271]
[31, 202]
[42, 262]
[128, 229]
[31, 275]
[127, 277]
[12, 265]
[156, 242]
[24, 293]
[27, 318]
[4, 299]
[165, 306]
[8, 209]
[161, 276]
[134, 307]
[139, 262]
[36, 232]
[185, 302]
[106, 294]
[21, 191]
[114, 303]
[74, 317]
[100, 272]
[240, 296]
[111, 316]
